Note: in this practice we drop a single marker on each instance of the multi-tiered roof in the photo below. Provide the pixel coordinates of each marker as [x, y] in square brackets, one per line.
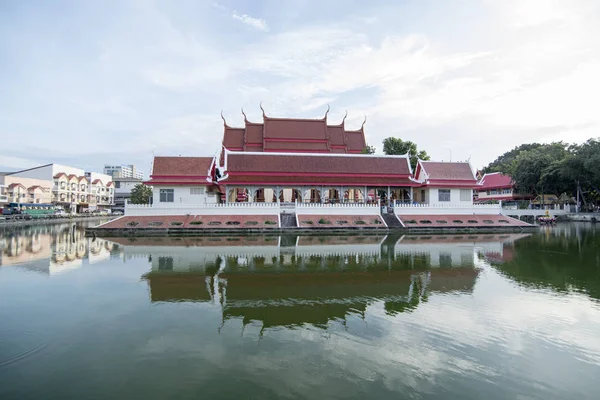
[294, 135]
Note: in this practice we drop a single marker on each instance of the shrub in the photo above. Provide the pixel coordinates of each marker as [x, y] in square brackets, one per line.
[488, 221]
[251, 223]
[360, 222]
[323, 221]
[132, 223]
[472, 221]
[377, 222]
[410, 221]
[270, 223]
[503, 221]
[197, 223]
[441, 221]
[341, 222]
[176, 223]
[424, 221]
[307, 222]
[213, 222]
[457, 221]
[155, 223]
[232, 223]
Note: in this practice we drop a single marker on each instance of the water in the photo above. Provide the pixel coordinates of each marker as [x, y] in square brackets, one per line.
[349, 317]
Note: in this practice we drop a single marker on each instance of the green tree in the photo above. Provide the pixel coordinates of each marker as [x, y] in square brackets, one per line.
[140, 194]
[506, 162]
[368, 150]
[541, 170]
[396, 146]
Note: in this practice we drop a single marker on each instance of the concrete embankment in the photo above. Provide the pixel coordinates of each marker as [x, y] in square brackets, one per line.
[581, 217]
[9, 224]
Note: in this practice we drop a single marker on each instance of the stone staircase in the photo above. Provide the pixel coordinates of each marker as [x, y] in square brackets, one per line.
[391, 220]
[288, 220]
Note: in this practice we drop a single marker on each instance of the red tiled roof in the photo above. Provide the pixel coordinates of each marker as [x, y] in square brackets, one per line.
[59, 175]
[181, 166]
[295, 146]
[82, 178]
[287, 128]
[96, 181]
[355, 141]
[336, 136]
[233, 138]
[316, 163]
[36, 187]
[293, 135]
[109, 184]
[254, 133]
[448, 171]
[495, 180]
[14, 185]
[72, 176]
[316, 169]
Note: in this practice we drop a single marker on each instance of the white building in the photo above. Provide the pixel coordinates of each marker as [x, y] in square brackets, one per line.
[123, 171]
[123, 188]
[445, 183]
[73, 188]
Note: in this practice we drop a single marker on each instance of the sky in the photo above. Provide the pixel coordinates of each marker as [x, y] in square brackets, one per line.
[114, 82]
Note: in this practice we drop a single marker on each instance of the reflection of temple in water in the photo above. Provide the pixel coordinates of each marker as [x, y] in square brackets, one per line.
[52, 248]
[294, 280]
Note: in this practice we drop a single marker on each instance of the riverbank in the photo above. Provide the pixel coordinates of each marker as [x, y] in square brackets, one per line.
[34, 222]
[147, 232]
[581, 217]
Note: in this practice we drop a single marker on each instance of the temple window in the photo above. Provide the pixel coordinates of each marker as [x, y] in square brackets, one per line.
[167, 195]
[444, 195]
[465, 195]
[196, 190]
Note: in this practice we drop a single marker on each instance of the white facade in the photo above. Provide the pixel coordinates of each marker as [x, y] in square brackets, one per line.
[186, 195]
[456, 196]
[74, 187]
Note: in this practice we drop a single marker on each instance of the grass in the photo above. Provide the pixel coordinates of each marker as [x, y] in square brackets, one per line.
[323, 221]
[270, 223]
[360, 222]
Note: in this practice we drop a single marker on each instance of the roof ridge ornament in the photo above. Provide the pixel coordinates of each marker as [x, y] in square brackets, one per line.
[223, 118]
[263, 110]
[326, 112]
[363, 124]
[344, 119]
[244, 114]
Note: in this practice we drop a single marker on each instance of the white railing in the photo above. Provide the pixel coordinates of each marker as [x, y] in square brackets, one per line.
[448, 209]
[337, 209]
[202, 209]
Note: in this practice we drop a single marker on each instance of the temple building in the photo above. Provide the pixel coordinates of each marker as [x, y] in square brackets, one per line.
[306, 173]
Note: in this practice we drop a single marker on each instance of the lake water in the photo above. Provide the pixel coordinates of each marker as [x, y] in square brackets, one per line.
[508, 316]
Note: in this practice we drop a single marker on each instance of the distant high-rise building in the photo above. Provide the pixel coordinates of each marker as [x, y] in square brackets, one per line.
[123, 171]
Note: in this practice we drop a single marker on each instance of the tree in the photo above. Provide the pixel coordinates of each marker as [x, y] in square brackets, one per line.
[506, 162]
[368, 150]
[396, 146]
[141, 194]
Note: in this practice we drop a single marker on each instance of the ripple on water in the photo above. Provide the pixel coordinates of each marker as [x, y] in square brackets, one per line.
[16, 346]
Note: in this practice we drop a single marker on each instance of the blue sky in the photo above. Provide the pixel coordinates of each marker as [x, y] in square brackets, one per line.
[94, 82]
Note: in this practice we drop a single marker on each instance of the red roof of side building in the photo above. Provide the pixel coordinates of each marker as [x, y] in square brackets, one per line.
[495, 180]
[181, 171]
[449, 174]
[96, 181]
[14, 185]
[315, 169]
[59, 175]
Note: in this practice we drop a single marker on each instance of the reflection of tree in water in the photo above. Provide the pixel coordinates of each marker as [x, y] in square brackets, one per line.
[560, 260]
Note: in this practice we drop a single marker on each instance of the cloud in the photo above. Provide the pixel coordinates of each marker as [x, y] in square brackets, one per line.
[257, 23]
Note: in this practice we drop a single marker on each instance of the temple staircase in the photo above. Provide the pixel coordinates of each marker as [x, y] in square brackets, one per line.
[391, 220]
[288, 220]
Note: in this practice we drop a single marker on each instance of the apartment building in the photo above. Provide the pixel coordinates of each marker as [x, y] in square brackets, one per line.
[123, 171]
[71, 187]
